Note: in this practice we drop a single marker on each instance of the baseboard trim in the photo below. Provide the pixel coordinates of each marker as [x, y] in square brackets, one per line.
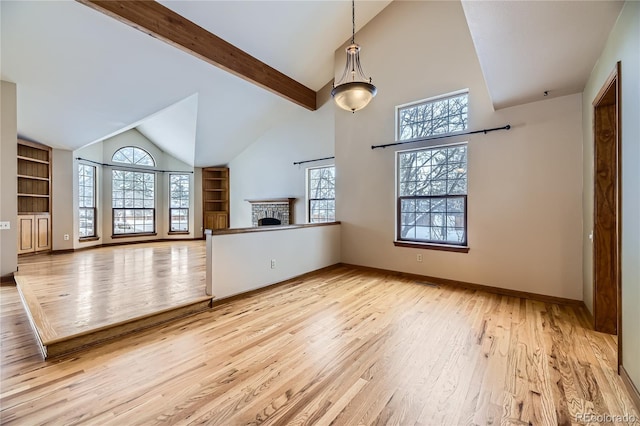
[123, 243]
[223, 301]
[7, 280]
[472, 286]
[631, 387]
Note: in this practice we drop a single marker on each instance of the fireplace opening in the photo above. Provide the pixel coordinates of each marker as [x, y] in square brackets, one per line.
[269, 221]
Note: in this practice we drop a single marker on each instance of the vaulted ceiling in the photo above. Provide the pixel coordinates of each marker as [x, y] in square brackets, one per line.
[83, 76]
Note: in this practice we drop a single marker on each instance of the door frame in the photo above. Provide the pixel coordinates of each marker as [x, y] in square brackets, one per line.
[612, 82]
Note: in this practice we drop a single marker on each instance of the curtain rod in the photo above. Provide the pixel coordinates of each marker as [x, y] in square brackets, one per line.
[295, 163]
[124, 166]
[485, 131]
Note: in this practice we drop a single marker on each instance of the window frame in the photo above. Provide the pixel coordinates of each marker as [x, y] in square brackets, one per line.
[132, 163]
[430, 100]
[461, 247]
[93, 209]
[187, 231]
[309, 199]
[114, 209]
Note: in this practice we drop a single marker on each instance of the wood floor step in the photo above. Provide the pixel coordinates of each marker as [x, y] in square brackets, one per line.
[52, 345]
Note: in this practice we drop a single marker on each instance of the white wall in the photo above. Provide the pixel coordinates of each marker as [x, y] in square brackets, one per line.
[524, 205]
[62, 201]
[623, 45]
[8, 179]
[242, 262]
[265, 169]
[102, 152]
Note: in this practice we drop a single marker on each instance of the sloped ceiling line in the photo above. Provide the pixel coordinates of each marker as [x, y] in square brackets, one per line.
[164, 24]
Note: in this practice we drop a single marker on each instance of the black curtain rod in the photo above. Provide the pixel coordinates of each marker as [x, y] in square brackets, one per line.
[124, 166]
[295, 163]
[485, 131]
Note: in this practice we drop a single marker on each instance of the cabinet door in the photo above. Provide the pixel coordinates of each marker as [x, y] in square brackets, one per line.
[26, 232]
[216, 220]
[43, 233]
[222, 221]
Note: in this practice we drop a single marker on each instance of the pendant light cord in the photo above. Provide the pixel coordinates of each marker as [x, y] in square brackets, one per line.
[353, 21]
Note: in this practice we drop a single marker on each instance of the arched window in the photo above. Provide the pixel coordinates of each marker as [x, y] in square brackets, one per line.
[133, 155]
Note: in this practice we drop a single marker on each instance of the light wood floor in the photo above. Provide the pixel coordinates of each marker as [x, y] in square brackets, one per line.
[342, 347]
[94, 288]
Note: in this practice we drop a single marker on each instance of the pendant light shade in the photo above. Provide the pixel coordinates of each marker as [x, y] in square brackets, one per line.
[353, 96]
[354, 91]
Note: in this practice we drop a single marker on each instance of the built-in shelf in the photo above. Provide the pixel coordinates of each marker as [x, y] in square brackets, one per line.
[34, 195]
[33, 177]
[33, 160]
[215, 196]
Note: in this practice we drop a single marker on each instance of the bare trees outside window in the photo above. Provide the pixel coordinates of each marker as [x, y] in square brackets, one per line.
[179, 202]
[134, 156]
[87, 200]
[321, 193]
[133, 200]
[432, 195]
[432, 117]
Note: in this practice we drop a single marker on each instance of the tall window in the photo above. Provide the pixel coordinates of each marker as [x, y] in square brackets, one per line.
[321, 193]
[431, 117]
[133, 193]
[432, 195]
[179, 202]
[87, 200]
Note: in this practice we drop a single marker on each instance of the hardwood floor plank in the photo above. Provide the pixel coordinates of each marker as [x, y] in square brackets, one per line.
[92, 289]
[341, 347]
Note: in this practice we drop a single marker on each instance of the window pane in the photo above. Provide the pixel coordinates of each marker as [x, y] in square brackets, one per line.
[133, 155]
[438, 116]
[321, 194]
[86, 200]
[433, 187]
[133, 201]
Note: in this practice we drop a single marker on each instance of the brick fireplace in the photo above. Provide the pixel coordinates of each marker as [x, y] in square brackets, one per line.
[269, 211]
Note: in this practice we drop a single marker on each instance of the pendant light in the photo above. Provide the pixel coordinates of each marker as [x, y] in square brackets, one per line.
[354, 91]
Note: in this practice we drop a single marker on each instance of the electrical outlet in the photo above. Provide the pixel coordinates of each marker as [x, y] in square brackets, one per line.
[5, 225]
[273, 264]
[419, 257]
[66, 237]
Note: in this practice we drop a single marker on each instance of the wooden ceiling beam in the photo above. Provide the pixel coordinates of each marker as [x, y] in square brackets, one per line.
[162, 23]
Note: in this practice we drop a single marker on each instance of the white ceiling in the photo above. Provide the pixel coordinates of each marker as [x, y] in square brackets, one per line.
[528, 47]
[83, 76]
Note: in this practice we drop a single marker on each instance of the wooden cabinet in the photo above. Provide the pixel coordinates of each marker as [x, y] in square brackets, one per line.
[216, 220]
[34, 233]
[215, 197]
[34, 197]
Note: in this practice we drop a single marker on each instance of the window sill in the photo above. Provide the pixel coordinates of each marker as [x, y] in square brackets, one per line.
[431, 246]
[87, 239]
[145, 234]
[179, 233]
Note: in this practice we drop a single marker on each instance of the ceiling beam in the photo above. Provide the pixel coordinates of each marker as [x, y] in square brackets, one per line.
[162, 23]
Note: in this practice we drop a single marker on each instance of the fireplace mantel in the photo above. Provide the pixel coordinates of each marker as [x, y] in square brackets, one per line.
[272, 200]
[276, 208]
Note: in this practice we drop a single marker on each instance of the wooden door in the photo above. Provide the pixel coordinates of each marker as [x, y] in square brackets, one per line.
[42, 233]
[26, 234]
[606, 195]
